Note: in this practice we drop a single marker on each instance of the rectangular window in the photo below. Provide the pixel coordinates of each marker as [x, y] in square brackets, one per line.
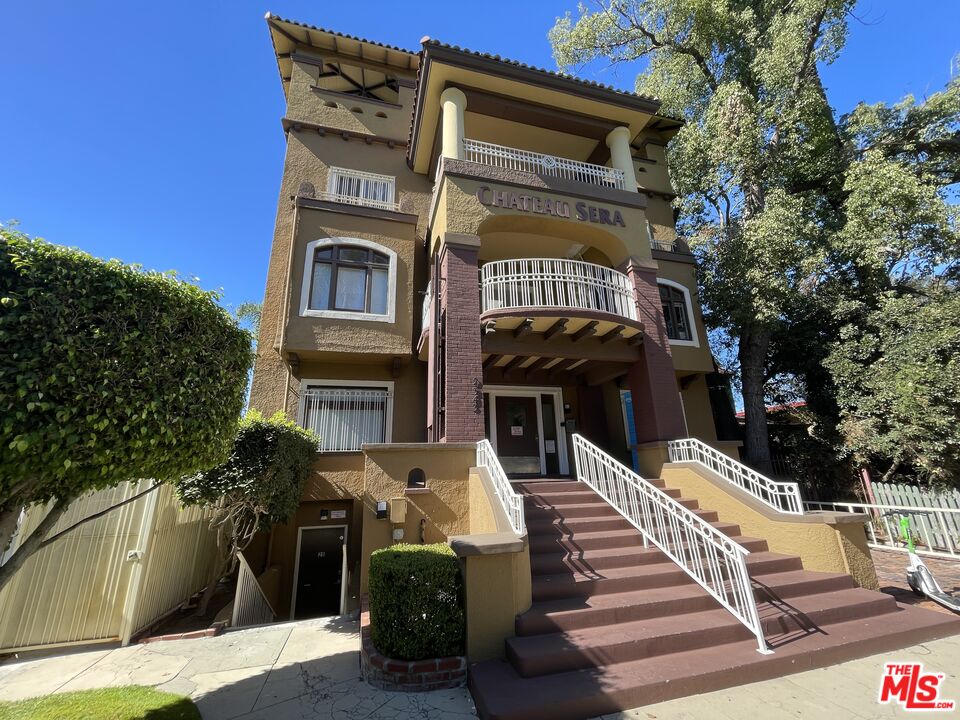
[356, 187]
[347, 417]
[350, 278]
[675, 313]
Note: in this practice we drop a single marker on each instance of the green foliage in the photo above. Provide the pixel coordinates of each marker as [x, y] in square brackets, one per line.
[415, 602]
[118, 703]
[262, 481]
[108, 373]
[897, 371]
[807, 227]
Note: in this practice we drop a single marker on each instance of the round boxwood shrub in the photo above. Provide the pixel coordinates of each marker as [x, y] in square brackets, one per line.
[415, 602]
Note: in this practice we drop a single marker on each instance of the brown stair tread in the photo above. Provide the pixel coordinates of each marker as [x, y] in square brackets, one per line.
[501, 694]
[621, 642]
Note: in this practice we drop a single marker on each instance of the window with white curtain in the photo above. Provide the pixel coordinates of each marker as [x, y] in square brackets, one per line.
[347, 416]
[355, 187]
[349, 278]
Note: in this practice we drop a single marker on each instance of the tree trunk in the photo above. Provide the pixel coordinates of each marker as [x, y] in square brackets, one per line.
[752, 353]
[32, 543]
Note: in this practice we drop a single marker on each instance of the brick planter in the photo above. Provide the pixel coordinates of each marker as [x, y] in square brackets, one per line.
[407, 675]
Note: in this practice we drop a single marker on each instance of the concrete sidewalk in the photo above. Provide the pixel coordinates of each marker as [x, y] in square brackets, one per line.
[306, 669]
[310, 669]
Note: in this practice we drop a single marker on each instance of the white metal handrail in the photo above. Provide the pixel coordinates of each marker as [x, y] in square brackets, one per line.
[511, 501]
[250, 604]
[356, 187]
[344, 419]
[934, 528]
[510, 158]
[555, 282]
[712, 559]
[781, 496]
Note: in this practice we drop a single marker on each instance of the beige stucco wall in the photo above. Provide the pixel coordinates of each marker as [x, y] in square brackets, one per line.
[696, 408]
[498, 587]
[839, 547]
[445, 505]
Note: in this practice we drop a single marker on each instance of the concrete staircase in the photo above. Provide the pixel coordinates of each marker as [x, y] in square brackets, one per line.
[615, 625]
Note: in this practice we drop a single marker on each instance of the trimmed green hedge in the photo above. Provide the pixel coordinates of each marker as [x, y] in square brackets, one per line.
[415, 602]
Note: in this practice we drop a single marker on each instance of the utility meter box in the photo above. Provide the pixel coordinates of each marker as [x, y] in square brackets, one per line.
[398, 511]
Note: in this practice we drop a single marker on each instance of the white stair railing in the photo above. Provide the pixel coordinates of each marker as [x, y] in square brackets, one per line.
[250, 605]
[713, 560]
[781, 496]
[511, 501]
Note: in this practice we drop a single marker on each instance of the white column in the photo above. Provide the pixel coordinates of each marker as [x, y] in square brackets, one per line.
[618, 140]
[453, 102]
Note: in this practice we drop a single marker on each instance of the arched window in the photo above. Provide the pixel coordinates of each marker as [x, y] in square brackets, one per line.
[349, 278]
[677, 313]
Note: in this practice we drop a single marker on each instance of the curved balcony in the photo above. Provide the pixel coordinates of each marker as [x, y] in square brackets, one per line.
[555, 283]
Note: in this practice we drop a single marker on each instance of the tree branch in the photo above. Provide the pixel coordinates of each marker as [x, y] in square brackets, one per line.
[32, 543]
[87, 519]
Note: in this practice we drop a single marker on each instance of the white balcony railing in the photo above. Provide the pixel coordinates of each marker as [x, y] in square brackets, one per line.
[510, 158]
[550, 282]
[781, 496]
[511, 501]
[355, 187]
[714, 561]
[344, 419]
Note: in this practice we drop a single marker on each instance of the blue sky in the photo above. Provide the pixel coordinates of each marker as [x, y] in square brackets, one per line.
[150, 132]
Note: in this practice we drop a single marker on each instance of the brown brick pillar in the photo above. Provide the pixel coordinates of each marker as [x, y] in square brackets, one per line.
[653, 384]
[460, 411]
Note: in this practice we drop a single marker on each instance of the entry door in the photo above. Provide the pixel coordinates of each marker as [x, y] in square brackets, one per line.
[518, 439]
[320, 572]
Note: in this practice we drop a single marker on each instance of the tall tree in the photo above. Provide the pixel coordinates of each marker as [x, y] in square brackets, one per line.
[896, 358]
[801, 221]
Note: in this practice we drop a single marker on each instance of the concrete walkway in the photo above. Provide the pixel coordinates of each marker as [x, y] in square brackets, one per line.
[310, 669]
[307, 669]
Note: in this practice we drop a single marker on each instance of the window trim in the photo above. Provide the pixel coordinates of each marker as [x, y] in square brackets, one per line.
[306, 311]
[694, 340]
[305, 383]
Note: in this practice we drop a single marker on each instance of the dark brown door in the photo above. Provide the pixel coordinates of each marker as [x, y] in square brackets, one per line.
[320, 572]
[518, 441]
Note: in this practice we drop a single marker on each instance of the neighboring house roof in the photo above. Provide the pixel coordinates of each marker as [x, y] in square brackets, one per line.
[773, 409]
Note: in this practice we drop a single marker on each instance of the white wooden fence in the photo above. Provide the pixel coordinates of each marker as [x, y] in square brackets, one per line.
[934, 518]
[111, 577]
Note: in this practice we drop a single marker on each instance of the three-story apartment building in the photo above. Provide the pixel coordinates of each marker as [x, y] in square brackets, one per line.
[465, 248]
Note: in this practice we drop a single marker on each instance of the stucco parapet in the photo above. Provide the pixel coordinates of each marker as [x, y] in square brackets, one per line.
[487, 544]
[464, 168]
[808, 518]
[416, 447]
[677, 257]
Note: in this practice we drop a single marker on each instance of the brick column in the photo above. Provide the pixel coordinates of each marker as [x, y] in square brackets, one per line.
[653, 384]
[462, 369]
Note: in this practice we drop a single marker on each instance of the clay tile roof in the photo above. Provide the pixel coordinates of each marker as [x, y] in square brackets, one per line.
[544, 71]
[307, 26]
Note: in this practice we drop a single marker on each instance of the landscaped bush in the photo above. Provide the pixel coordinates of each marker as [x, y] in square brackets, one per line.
[415, 602]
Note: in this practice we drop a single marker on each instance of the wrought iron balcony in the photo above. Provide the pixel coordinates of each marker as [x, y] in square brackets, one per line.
[508, 158]
[556, 283]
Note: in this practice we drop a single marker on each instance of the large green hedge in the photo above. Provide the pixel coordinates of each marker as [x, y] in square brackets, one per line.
[416, 602]
[108, 373]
